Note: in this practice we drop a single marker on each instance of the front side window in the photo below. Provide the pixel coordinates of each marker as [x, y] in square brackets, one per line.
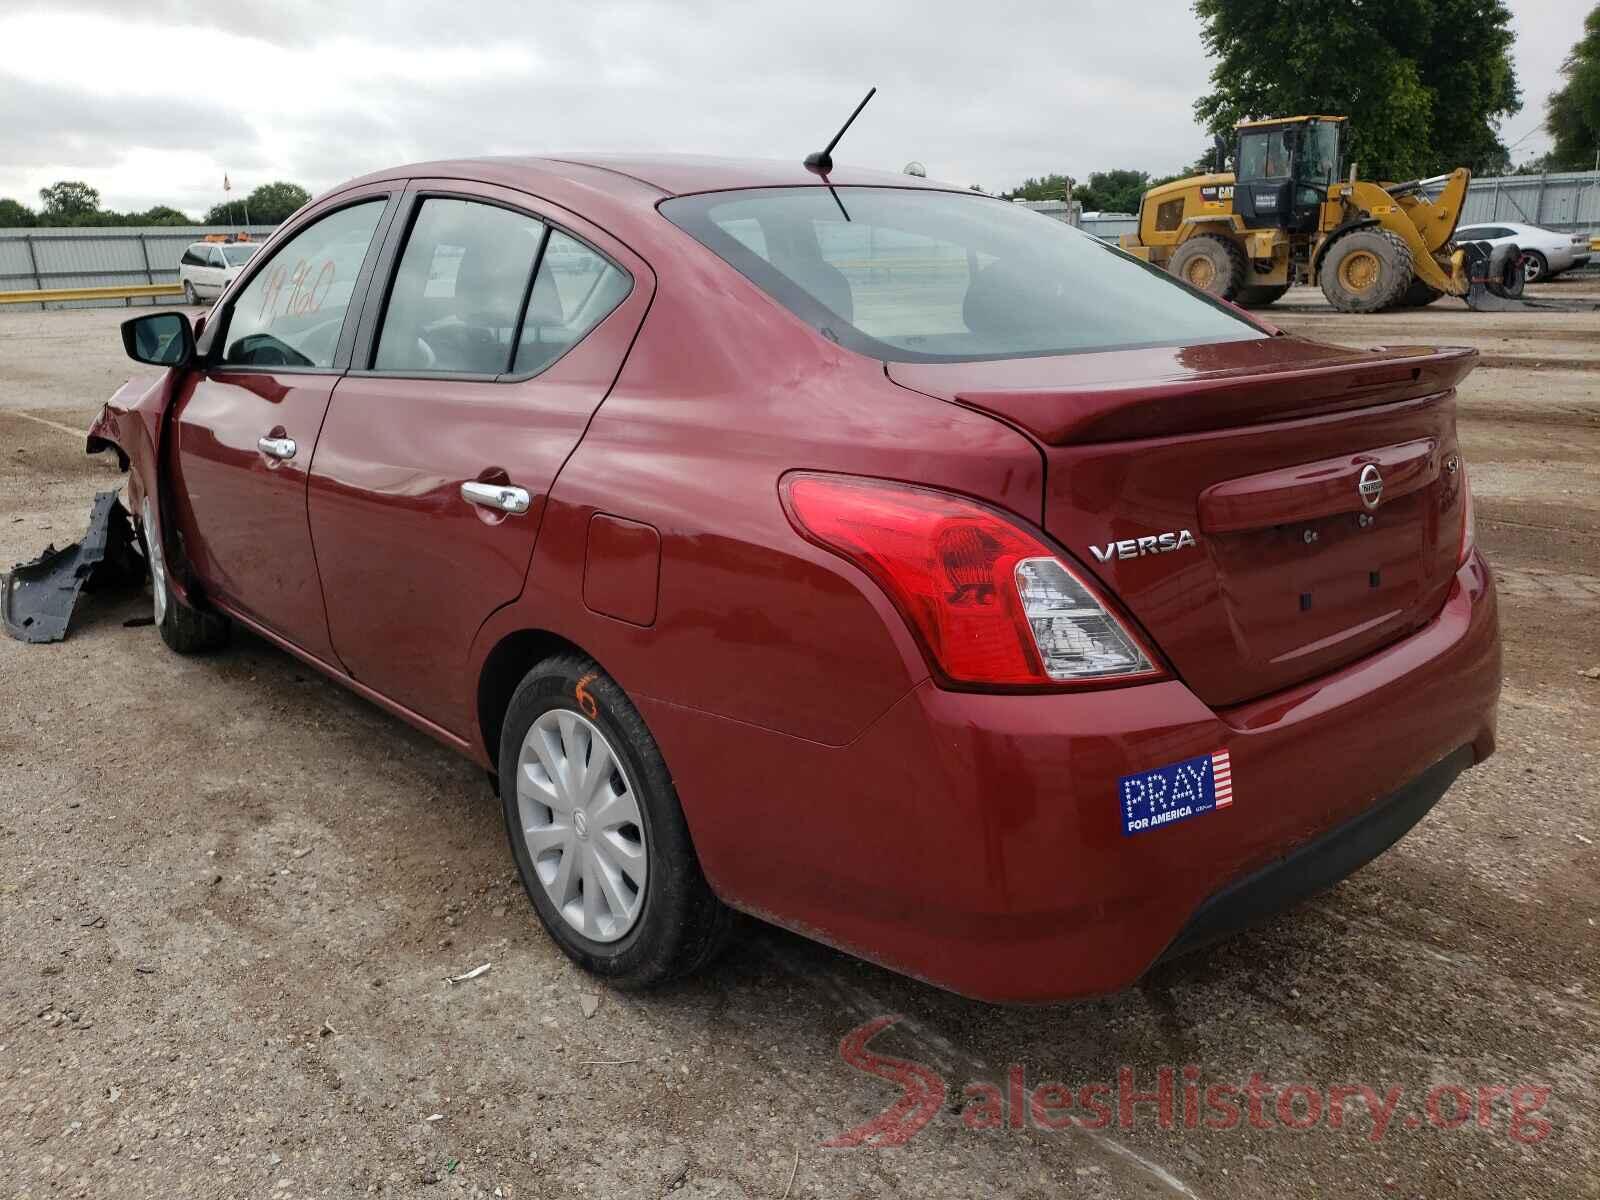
[237, 256]
[458, 292]
[1264, 154]
[929, 276]
[216, 259]
[291, 313]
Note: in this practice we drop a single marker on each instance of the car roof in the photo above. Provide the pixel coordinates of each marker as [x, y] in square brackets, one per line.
[647, 178]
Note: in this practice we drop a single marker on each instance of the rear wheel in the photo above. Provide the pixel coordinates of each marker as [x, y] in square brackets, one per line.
[597, 832]
[1259, 296]
[189, 295]
[1535, 267]
[1211, 263]
[1366, 270]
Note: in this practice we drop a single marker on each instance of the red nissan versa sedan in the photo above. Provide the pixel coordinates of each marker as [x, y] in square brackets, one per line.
[890, 562]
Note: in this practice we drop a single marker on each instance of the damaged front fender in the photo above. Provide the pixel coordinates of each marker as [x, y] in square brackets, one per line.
[134, 424]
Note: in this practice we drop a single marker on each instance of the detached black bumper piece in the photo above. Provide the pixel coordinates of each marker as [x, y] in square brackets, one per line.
[37, 598]
[1321, 863]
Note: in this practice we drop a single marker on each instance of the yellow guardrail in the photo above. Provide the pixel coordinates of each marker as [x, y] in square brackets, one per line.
[128, 292]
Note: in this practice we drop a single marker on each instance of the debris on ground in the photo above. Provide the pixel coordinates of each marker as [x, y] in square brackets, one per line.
[37, 597]
[589, 1003]
[472, 974]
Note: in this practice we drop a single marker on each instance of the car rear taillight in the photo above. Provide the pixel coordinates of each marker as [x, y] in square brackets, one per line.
[991, 602]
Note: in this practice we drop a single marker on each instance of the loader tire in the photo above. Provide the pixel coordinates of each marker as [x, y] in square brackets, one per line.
[1213, 264]
[1419, 294]
[1366, 270]
[1261, 296]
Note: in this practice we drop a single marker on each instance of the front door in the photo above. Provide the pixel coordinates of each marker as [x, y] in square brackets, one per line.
[466, 395]
[246, 422]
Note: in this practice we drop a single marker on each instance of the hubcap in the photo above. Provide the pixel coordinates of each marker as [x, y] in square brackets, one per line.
[581, 823]
[1360, 270]
[1531, 269]
[158, 562]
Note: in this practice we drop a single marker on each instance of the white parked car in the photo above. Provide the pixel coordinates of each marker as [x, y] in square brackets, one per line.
[1545, 253]
[207, 268]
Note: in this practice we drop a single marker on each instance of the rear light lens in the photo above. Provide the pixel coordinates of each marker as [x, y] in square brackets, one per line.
[992, 604]
[1469, 523]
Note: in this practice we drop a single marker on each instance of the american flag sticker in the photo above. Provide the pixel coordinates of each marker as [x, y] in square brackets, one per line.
[1222, 778]
[1166, 795]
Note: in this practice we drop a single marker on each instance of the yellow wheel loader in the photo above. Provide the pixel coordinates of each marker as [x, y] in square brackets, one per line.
[1285, 216]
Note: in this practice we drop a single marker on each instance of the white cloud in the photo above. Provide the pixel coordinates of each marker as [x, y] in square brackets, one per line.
[152, 104]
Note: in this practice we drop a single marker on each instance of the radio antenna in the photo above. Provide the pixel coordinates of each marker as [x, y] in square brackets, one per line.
[820, 162]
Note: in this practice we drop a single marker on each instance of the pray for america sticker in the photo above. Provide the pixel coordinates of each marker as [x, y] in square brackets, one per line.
[1166, 795]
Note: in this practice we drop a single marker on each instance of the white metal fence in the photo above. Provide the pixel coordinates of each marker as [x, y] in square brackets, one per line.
[47, 258]
[1568, 202]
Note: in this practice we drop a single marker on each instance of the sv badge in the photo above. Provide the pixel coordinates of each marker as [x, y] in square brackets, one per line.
[1160, 543]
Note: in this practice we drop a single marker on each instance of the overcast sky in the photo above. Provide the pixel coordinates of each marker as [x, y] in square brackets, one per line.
[152, 102]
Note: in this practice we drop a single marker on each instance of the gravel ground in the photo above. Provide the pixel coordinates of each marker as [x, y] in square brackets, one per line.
[232, 893]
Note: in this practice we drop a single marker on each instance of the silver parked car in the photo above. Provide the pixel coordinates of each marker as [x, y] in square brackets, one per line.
[1545, 253]
[207, 268]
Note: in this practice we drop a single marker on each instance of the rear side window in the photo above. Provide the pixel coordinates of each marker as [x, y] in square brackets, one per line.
[576, 289]
[458, 293]
[291, 313]
[928, 276]
[193, 256]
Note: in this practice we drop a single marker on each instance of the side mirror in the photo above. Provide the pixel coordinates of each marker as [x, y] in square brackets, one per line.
[1219, 152]
[161, 339]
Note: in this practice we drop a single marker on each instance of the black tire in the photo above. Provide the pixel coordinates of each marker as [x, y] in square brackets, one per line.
[184, 628]
[1211, 263]
[1535, 267]
[190, 296]
[1419, 295]
[681, 925]
[1379, 271]
[1261, 296]
[1513, 277]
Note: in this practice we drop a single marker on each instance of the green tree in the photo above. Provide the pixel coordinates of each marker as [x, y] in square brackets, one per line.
[161, 214]
[1113, 191]
[67, 201]
[1047, 187]
[1572, 113]
[1424, 82]
[14, 214]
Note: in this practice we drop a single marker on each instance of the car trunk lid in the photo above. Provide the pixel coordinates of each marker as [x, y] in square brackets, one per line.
[1217, 491]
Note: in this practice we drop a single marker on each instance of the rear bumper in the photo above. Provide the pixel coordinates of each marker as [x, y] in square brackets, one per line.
[975, 840]
[1321, 862]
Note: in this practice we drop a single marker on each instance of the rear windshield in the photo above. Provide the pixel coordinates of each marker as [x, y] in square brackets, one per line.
[926, 276]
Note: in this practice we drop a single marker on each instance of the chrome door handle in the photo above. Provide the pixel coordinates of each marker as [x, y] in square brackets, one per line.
[499, 496]
[273, 447]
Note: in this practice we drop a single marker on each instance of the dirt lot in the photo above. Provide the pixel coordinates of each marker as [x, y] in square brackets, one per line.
[231, 893]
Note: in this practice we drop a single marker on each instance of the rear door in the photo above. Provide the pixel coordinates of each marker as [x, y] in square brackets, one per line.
[502, 327]
[246, 419]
